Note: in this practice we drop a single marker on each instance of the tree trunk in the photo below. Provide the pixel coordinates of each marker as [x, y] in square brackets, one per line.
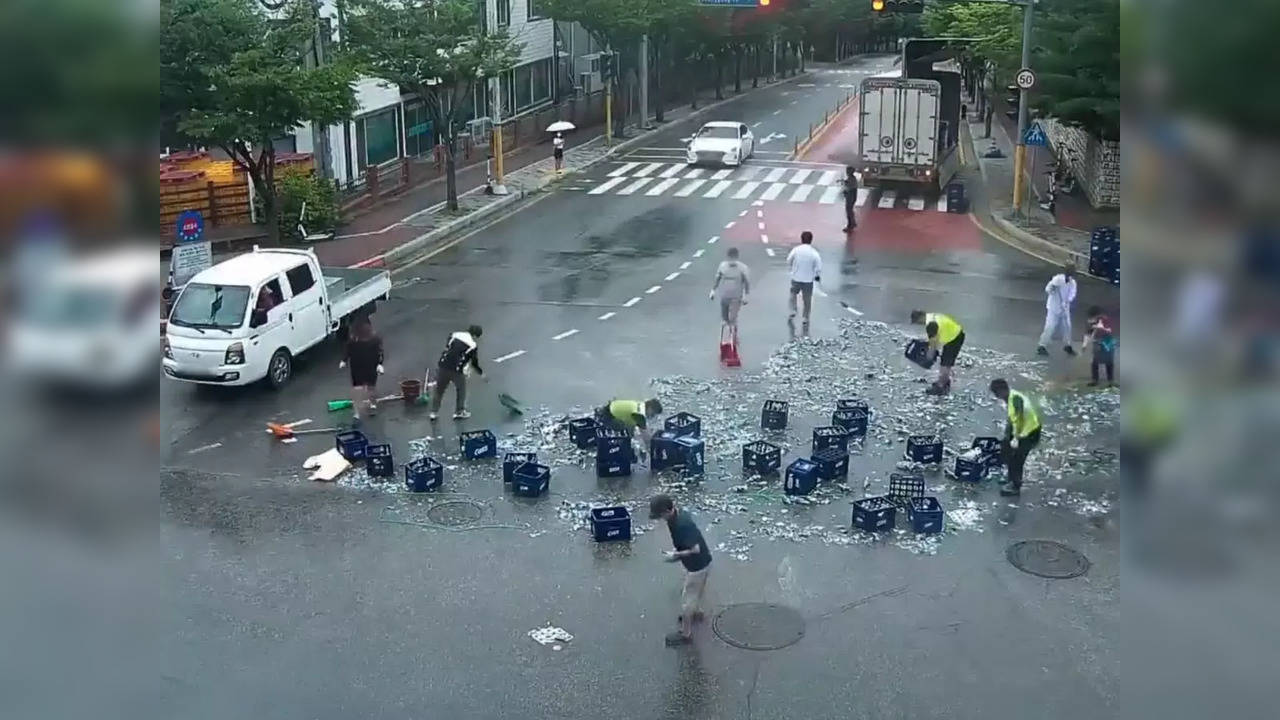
[451, 168]
[737, 69]
[693, 85]
[658, 58]
[755, 65]
[719, 76]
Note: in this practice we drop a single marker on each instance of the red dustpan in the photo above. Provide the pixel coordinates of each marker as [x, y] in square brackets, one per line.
[729, 347]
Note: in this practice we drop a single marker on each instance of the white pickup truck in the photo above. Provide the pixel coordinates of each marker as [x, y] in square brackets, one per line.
[246, 318]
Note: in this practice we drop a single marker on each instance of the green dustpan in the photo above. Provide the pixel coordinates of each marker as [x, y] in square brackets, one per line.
[510, 403]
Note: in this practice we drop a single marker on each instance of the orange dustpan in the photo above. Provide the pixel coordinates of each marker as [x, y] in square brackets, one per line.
[284, 431]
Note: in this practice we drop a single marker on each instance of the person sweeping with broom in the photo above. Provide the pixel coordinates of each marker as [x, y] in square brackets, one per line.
[459, 358]
[364, 356]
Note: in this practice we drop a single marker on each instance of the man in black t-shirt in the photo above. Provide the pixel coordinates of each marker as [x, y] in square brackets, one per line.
[691, 550]
[460, 357]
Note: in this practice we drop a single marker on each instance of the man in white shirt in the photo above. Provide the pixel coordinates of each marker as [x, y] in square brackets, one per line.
[806, 269]
[1060, 293]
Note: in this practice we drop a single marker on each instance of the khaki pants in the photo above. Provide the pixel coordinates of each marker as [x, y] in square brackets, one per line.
[695, 588]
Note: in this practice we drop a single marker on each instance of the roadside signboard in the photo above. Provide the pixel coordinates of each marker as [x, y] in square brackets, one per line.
[1025, 79]
[1034, 136]
[191, 252]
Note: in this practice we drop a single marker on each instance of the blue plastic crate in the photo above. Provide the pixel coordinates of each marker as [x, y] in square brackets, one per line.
[582, 432]
[801, 477]
[832, 464]
[684, 425]
[617, 467]
[903, 488]
[692, 456]
[830, 436]
[774, 415]
[970, 470]
[612, 444]
[610, 524]
[423, 474]
[992, 450]
[925, 449]
[925, 514]
[351, 444]
[513, 460]
[917, 351]
[478, 444]
[530, 479]
[761, 458]
[378, 462]
[853, 404]
[874, 514]
[853, 421]
[664, 453]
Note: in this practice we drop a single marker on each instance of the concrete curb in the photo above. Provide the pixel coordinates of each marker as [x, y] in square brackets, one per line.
[418, 243]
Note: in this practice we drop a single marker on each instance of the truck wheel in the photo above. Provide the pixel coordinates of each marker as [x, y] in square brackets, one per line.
[280, 369]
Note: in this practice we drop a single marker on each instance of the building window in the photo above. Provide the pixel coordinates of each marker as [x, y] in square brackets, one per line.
[525, 87]
[378, 136]
[535, 12]
[542, 80]
[419, 133]
[504, 13]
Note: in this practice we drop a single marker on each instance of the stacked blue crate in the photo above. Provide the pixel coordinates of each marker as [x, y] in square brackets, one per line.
[832, 464]
[684, 425]
[613, 452]
[664, 454]
[992, 450]
[903, 488]
[925, 514]
[423, 474]
[830, 436]
[774, 415]
[761, 458]
[1104, 253]
[926, 449]
[957, 202]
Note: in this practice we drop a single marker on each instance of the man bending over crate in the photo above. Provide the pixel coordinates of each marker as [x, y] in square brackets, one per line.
[629, 416]
[1021, 434]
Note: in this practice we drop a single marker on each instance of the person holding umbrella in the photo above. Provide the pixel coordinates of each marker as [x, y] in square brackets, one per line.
[557, 143]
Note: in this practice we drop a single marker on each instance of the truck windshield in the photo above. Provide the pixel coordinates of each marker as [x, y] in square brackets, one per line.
[211, 306]
[71, 306]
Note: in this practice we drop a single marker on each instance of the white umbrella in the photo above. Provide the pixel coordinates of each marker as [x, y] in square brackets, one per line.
[561, 126]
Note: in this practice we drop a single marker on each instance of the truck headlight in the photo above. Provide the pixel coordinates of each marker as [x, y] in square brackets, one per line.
[235, 354]
[168, 351]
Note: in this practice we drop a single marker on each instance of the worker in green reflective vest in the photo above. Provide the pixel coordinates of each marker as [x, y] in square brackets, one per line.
[630, 416]
[946, 337]
[1021, 434]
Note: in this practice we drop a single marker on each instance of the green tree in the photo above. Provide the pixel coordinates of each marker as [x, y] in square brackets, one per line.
[237, 78]
[1078, 65]
[437, 49]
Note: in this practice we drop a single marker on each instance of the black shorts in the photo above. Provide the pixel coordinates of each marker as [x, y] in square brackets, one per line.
[364, 377]
[559, 153]
[951, 350]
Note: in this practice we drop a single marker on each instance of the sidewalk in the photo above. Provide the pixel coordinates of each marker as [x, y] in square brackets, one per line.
[419, 217]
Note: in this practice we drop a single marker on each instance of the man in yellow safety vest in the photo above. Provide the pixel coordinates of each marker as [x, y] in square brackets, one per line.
[1021, 434]
[946, 337]
[629, 416]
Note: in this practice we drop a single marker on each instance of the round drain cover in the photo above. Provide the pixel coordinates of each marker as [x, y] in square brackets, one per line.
[456, 513]
[759, 626]
[1047, 559]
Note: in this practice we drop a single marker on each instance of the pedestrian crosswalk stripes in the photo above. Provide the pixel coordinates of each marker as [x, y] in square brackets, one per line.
[753, 182]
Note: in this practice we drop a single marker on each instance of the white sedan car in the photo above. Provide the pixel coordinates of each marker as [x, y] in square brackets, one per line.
[721, 143]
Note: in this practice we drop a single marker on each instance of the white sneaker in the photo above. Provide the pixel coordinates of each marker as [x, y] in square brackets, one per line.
[433, 416]
[461, 415]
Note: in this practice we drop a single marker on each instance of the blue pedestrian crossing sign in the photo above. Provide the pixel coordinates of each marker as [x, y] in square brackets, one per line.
[1034, 136]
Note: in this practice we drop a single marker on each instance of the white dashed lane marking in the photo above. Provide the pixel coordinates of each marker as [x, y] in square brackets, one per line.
[565, 334]
[712, 240]
[606, 316]
[653, 290]
[698, 253]
[631, 302]
[509, 356]
[672, 276]
[685, 265]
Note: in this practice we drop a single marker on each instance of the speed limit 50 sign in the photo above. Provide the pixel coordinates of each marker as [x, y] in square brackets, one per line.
[1025, 79]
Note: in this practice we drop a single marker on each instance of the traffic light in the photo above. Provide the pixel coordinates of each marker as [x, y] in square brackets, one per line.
[764, 3]
[897, 6]
[608, 68]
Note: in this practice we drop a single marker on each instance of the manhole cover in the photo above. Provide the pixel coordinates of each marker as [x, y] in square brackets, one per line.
[759, 626]
[455, 513]
[1047, 559]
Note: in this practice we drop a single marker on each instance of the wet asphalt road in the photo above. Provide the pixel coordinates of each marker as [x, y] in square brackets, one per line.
[292, 599]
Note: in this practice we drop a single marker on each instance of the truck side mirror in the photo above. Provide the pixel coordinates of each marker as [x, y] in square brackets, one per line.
[257, 318]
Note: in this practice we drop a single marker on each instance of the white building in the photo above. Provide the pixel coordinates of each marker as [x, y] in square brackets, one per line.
[389, 124]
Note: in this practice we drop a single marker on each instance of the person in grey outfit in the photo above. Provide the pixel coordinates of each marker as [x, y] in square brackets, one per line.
[733, 283]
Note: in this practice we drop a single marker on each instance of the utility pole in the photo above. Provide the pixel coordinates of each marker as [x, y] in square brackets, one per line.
[1020, 151]
[775, 56]
[644, 82]
[608, 98]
